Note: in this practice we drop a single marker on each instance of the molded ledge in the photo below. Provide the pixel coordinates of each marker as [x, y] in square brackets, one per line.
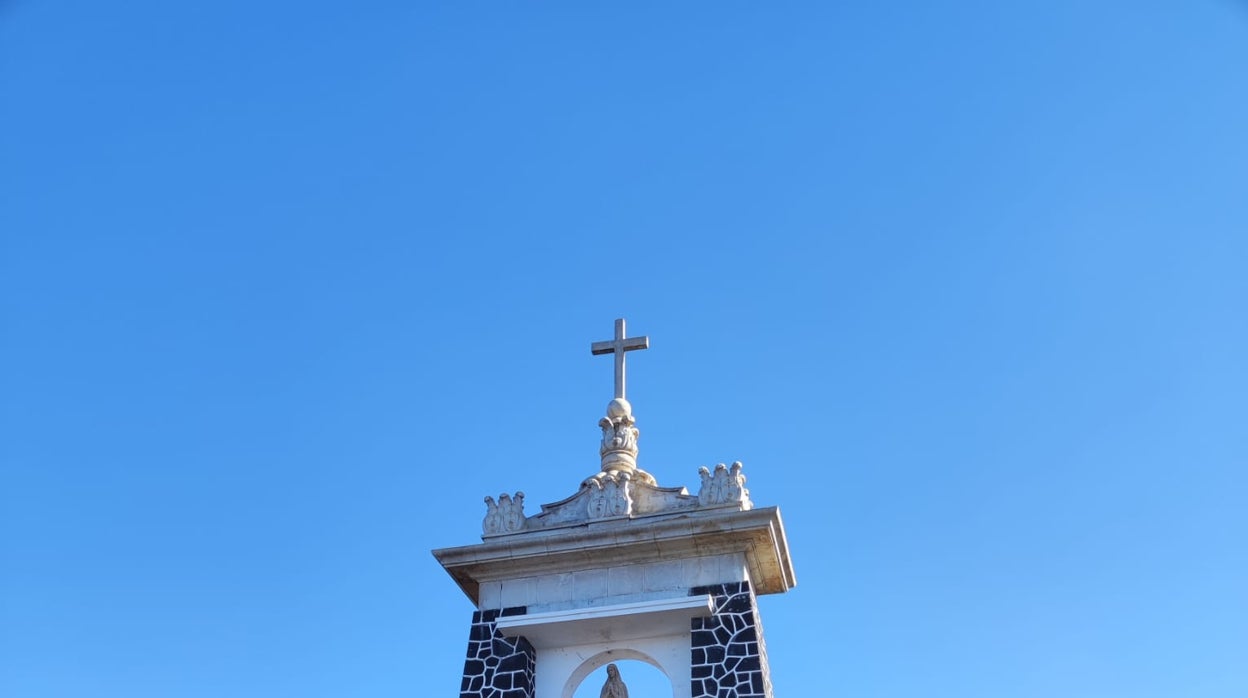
[758, 533]
[607, 623]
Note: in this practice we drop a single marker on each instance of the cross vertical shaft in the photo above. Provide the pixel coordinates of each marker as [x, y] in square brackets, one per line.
[618, 346]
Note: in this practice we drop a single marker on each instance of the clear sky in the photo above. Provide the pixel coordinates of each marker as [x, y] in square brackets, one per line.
[288, 287]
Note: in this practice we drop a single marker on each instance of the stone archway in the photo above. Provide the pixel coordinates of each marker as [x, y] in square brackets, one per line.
[604, 658]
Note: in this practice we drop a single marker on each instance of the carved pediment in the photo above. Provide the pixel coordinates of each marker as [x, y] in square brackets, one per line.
[618, 495]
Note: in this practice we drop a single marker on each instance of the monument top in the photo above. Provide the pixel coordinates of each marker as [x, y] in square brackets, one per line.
[620, 490]
[622, 569]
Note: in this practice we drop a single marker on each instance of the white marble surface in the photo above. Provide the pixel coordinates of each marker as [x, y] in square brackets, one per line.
[576, 562]
[599, 586]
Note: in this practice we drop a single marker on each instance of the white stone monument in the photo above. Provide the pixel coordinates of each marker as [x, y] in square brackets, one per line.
[622, 569]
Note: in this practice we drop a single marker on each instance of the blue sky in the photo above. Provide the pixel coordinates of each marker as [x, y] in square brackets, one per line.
[287, 288]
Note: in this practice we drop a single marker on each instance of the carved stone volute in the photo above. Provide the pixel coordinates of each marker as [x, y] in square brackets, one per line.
[610, 495]
[504, 516]
[725, 486]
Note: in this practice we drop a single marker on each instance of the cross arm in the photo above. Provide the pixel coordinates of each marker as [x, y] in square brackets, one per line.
[612, 346]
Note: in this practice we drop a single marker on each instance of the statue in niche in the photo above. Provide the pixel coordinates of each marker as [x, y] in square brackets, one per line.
[614, 687]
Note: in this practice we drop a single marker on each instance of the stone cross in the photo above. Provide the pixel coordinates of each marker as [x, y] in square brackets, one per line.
[618, 346]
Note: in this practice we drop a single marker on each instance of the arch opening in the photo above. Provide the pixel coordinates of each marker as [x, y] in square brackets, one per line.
[644, 676]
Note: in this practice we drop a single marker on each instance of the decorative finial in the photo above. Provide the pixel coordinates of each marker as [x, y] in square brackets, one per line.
[619, 433]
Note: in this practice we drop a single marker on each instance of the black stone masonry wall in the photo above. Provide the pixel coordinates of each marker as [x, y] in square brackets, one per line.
[497, 666]
[729, 658]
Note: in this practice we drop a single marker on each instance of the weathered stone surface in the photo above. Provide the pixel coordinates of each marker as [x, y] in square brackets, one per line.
[490, 571]
[616, 494]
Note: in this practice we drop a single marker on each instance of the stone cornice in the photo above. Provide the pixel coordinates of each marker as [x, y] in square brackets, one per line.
[758, 533]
